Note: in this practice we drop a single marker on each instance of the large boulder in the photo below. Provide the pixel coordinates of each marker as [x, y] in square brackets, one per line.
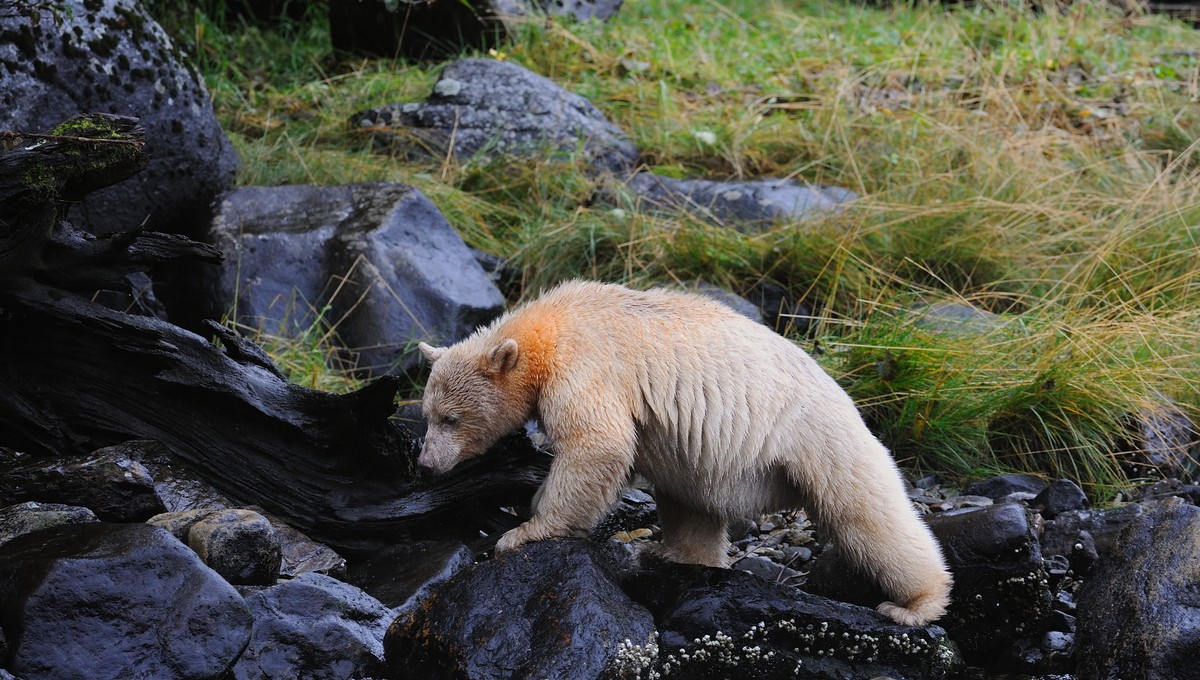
[1001, 590]
[486, 108]
[1139, 614]
[551, 609]
[109, 56]
[102, 600]
[376, 263]
[313, 627]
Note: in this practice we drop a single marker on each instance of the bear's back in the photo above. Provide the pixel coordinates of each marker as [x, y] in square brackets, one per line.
[711, 389]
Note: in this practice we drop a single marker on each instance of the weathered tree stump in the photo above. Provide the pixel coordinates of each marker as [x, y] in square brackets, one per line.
[76, 376]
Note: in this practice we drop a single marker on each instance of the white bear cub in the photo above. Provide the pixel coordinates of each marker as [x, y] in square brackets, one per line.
[727, 418]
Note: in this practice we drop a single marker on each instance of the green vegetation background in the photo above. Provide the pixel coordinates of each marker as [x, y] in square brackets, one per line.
[1044, 166]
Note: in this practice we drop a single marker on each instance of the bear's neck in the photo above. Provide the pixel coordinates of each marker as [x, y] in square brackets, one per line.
[537, 339]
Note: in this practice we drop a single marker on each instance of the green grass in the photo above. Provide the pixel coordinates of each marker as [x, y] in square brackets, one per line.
[1043, 166]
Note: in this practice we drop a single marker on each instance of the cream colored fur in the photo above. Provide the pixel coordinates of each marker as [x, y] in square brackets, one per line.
[727, 419]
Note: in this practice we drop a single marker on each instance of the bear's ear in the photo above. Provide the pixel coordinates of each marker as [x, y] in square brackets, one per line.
[503, 357]
[431, 353]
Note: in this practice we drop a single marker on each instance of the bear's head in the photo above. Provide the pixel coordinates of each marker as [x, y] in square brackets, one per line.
[470, 401]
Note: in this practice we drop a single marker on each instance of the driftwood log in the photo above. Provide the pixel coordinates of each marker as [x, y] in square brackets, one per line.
[76, 376]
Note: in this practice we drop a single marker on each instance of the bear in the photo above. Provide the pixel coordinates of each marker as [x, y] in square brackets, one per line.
[727, 418]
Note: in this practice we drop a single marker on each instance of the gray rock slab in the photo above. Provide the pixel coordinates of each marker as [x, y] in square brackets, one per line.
[109, 56]
[485, 108]
[956, 318]
[376, 263]
[745, 205]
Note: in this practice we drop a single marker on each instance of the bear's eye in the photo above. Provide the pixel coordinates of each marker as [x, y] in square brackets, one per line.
[449, 421]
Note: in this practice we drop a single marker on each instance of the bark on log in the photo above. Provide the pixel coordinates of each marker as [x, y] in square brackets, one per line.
[76, 376]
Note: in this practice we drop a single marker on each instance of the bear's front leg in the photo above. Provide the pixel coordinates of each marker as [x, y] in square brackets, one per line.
[588, 473]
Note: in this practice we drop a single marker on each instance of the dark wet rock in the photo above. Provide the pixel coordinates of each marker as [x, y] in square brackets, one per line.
[313, 627]
[1060, 496]
[401, 575]
[720, 623]
[1003, 485]
[438, 29]
[109, 56]
[485, 108]
[1049, 654]
[301, 554]
[419, 29]
[744, 204]
[137, 296]
[1162, 442]
[1077, 530]
[1139, 615]
[766, 568]
[105, 600]
[378, 260]
[550, 609]
[1001, 592]
[27, 517]
[240, 545]
[107, 482]
[1161, 489]
[175, 483]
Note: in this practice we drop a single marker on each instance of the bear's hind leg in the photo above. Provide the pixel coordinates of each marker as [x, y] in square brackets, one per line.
[690, 535]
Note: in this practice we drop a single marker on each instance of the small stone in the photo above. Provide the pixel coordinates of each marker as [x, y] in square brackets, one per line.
[1057, 641]
[447, 87]
[1002, 485]
[794, 555]
[765, 568]
[180, 523]
[971, 501]
[798, 537]
[240, 545]
[1059, 497]
[770, 553]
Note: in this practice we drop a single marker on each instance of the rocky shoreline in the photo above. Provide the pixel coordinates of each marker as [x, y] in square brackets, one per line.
[106, 572]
